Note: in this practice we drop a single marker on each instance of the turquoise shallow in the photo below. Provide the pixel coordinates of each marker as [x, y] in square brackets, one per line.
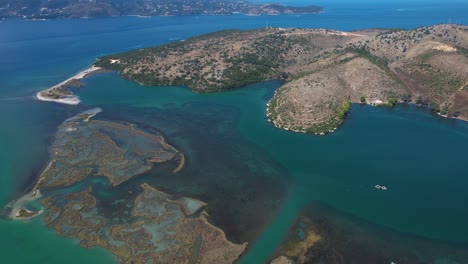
[421, 158]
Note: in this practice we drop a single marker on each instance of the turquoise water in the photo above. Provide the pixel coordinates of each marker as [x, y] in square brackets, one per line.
[419, 157]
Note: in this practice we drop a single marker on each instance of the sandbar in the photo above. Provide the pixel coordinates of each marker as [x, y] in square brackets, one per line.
[59, 93]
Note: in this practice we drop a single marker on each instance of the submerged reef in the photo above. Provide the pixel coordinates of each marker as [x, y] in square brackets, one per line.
[322, 234]
[141, 224]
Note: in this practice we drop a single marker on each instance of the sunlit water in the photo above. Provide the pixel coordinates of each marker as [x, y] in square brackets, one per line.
[419, 157]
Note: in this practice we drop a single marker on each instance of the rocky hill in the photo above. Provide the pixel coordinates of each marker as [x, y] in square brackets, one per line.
[323, 70]
[225, 59]
[427, 66]
[50, 9]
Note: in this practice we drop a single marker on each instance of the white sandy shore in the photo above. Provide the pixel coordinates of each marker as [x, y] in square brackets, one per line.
[71, 99]
[18, 205]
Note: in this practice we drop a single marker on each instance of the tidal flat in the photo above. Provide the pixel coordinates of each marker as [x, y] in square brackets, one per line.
[255, 179]
[244, 188]
[230, 128]
[147, 223]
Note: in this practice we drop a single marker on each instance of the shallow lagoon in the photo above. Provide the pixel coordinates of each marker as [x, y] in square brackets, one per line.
[419, 157]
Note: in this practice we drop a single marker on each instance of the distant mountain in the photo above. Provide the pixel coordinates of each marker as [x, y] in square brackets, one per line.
[50, 9]
[275, 9]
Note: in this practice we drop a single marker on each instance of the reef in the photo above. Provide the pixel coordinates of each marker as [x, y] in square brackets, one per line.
[301, 238]
[321, 234]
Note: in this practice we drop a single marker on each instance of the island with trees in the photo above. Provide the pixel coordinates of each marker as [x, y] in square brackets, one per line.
[323, 70]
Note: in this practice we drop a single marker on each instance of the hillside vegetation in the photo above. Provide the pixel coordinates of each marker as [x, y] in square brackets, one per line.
[225, 59]
[323, 70]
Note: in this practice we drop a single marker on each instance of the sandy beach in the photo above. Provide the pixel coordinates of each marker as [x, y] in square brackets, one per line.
[18, 205]
[70, 100]
[65, 99]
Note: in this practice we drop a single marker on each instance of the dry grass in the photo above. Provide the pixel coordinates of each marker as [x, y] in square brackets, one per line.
[322, 69]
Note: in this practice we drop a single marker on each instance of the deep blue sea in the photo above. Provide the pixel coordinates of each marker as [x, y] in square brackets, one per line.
[420, 157]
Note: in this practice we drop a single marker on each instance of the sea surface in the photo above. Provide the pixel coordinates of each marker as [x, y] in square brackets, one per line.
[420, 157]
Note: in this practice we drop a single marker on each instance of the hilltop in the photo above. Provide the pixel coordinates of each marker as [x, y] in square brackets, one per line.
[51, 9]
[226, 59]
[323, 70]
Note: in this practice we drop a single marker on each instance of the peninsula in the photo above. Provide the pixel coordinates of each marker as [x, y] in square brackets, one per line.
[323, 70]
[32, 9]
[59, 92]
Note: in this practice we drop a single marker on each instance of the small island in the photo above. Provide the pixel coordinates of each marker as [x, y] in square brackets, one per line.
[19, 209]
[25, 213]
[323, 70]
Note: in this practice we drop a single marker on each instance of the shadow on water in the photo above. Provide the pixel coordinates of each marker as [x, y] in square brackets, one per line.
[232, 156]
[242, 186]
[348, 239]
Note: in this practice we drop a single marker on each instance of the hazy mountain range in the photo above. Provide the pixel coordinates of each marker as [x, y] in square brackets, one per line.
[50, 9]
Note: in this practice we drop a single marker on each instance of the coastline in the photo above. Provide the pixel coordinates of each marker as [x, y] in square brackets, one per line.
[453, 117]
[374, 103]
[367, 63]
[69, 100]
[59, 93]
[18, 210]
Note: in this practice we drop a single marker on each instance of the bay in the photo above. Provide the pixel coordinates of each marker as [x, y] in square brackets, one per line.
[418, 156]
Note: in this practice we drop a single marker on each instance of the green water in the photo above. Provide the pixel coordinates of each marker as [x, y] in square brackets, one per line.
[255, 178]
[31, 242]
[419, 157]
